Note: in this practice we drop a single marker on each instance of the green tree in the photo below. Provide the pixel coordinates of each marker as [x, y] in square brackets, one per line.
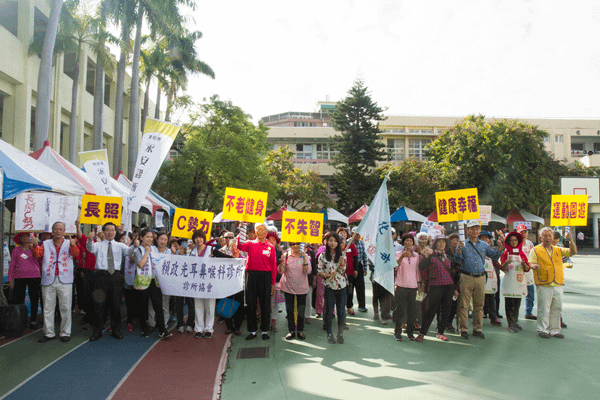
[359, 147]
[505, 160]
[413, 183]
[222, 149]
[304, 191]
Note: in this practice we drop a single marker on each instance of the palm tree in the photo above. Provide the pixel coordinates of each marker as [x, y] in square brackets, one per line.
[99, 81]
[42, 111]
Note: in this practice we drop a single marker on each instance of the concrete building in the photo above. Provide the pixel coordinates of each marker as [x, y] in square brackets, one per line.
[20, 22]
[406, 136]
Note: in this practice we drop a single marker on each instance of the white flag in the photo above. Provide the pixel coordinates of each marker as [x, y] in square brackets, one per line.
[95, 163]
[156, 143]
[375, 228]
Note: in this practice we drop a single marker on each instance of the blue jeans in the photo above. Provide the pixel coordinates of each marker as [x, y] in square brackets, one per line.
[337, 297]
[529, 300]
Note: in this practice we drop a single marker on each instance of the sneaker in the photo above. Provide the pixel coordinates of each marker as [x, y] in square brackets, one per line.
[45, 339]
[563, 325]
[464, 335]
[145, 333]
[559, 335]
[376, 317]
[220, 320]
[290, 336]
[513, 329]
[265, 336]
[250, 336]
[65, 339]
[480, 335]
[442, 337]
[420, 338]
[164, 335]
[318, 316]
[86, 327]
[495, 322]
[417, 327]
[301, 335]
[531, 316]
[499, 316]
[237, 333]
[340, 338]
[384, 322]
[351, 311]
[331, 339]
[544, 335]
[189, 329]
[129, 328]
[518, 327]
[398, 336]
[411, 338]
[181, 329]
[362, 309]
[207, 335]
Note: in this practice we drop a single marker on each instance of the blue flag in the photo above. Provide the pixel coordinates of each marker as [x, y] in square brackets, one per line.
[376, 230]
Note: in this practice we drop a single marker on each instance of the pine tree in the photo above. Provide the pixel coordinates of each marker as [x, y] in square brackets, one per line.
[359, 148]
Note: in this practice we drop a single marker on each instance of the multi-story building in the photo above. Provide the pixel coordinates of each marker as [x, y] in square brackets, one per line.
[406, 136]
[20, 22]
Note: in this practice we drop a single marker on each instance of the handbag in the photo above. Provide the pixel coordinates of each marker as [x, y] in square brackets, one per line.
[227, 307]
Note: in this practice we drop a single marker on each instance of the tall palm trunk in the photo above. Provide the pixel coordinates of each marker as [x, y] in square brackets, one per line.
[134, 97]
[73, 117]
[146, 105]
[42, 111]
[157, 109]
[170, 95]
[99, 86]
[118, 144]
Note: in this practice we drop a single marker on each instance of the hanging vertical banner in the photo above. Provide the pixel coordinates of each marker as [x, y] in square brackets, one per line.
[375, 228]
[158, 219]
[245, 205]
[64, 209]
[126, 215]
[185, 222]
[98, 210]
[302, 227]
[95, 163]
[30, 212]
[156, 143]
[569, 210]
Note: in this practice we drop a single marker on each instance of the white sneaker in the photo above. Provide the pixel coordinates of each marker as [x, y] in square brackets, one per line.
[189, 329]
[181, 329]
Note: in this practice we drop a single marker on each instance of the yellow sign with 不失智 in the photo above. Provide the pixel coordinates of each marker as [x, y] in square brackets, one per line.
[244, 205]
[298, 227]
[185, 222]
[569, 210]
[457, 205]
[98, 210]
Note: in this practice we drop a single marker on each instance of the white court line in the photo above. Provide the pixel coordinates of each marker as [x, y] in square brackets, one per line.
[22, 337]
[582, 291]
[221, 368]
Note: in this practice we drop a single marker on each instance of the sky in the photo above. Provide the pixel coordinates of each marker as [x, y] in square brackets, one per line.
[509, 58]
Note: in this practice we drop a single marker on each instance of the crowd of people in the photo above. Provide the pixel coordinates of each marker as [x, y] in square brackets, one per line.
[441, 278]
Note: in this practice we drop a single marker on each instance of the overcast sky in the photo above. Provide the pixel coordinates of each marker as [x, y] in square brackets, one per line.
[509, 58]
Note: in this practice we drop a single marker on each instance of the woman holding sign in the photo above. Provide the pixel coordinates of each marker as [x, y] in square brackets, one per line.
[204, 308]
[294, 268]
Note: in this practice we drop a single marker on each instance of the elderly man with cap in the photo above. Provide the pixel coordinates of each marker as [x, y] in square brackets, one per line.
[530, 299]
[471, 256]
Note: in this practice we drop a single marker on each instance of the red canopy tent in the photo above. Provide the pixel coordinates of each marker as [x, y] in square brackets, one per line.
[432, 217]
[359, 214]
[277, 215]
[522, 215]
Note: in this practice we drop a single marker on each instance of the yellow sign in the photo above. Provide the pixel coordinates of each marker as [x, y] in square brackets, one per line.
[301, 227]
[185, 222]
[86, 156]
[98, 210]
[457, 205]
[569, 210]
[244, 205]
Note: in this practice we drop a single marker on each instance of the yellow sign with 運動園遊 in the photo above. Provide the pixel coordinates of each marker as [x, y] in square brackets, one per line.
[569, 210]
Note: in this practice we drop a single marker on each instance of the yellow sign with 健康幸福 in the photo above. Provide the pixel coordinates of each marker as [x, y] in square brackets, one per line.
[569, 210]
[98, 210]
[298, 227]
[245, 205]
[186, 221]
[457, 205]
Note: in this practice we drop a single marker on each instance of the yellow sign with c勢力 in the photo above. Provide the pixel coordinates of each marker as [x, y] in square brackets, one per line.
[298, 227]
[185, 222]
[98, 210]
[569, 210]
[245, 205]
[457, 205]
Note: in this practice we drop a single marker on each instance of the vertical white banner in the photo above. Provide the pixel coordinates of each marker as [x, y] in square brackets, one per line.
[66, 210]
[30, 212]
[95, 163]
[158, 219]
[156, 143]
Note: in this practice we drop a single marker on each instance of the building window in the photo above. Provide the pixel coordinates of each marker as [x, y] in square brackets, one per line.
[558, 138]
[9, 15]
[107, 83]
[325, 152]
[401, 130]
[395, 149]
[32, 130]
[429, 131]
[546, 139]
[305, 124]
[304, 151]
[1, 113]
[416, 148]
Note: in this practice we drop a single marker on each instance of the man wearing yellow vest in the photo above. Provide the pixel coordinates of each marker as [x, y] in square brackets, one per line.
[546, 261]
